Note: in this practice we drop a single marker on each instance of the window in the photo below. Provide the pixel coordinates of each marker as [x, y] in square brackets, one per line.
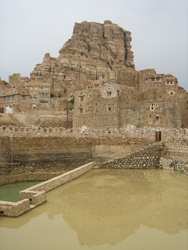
[81, 110]
[13, 97]
[152, 79]
[4, 98]
[157, 117]
[109, 108]
[109, 93]
[81, 98]
[8, 98]
[23, 97]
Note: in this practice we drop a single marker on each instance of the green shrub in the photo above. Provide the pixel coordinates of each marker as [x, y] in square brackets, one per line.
[43, 101]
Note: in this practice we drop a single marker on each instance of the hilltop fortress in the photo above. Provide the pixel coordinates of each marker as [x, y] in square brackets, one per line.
[93, 84]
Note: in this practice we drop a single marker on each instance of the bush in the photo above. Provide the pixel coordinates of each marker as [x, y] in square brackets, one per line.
[43, 101]
[72, 100]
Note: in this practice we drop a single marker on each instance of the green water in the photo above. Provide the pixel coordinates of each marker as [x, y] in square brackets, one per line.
[10, 192]
[104, 210]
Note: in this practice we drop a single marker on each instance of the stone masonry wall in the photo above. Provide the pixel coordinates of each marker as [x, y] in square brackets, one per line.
[146, 158]
[34, 153]
[175, 155]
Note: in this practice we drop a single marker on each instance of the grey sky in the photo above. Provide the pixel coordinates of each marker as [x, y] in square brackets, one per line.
[31, 28]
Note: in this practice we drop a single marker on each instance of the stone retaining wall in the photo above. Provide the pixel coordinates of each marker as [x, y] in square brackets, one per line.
[36, 195]
[24, 158]
[175, 155]
[146, 158]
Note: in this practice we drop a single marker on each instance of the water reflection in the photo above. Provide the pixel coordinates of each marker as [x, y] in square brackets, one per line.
[108, 206]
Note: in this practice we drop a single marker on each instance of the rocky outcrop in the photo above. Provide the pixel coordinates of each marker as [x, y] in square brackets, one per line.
[94, 52]
[106, 42]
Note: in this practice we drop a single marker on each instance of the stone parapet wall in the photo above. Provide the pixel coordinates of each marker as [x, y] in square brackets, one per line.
[130, 131]
[36, 195]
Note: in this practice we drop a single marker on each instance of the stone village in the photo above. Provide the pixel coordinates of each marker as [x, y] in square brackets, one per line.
[93, 83]
[90, 104]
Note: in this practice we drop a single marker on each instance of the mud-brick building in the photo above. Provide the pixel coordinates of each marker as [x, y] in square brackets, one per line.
[14, 100]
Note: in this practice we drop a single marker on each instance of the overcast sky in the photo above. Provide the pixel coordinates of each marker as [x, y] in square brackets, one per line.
[31, 28]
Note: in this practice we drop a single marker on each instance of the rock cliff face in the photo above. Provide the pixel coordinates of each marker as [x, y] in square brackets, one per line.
[106, 42]
[95, 52]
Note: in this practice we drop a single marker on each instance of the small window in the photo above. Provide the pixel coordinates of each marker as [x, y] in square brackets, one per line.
[81, 110]
[157, 117]
[109, 108]
[4, 98]
[82, 98]
[8, 98]
[109, 93]
[23, 97]
[152, 79]
[13, 97]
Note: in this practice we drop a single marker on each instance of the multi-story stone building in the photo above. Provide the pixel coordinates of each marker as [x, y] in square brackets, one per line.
[116, 106]
[17, 81]
[14, 100]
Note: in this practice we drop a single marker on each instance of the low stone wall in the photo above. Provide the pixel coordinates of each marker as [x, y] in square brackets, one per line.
[14, 209]
[36, 195]
[146, 158]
